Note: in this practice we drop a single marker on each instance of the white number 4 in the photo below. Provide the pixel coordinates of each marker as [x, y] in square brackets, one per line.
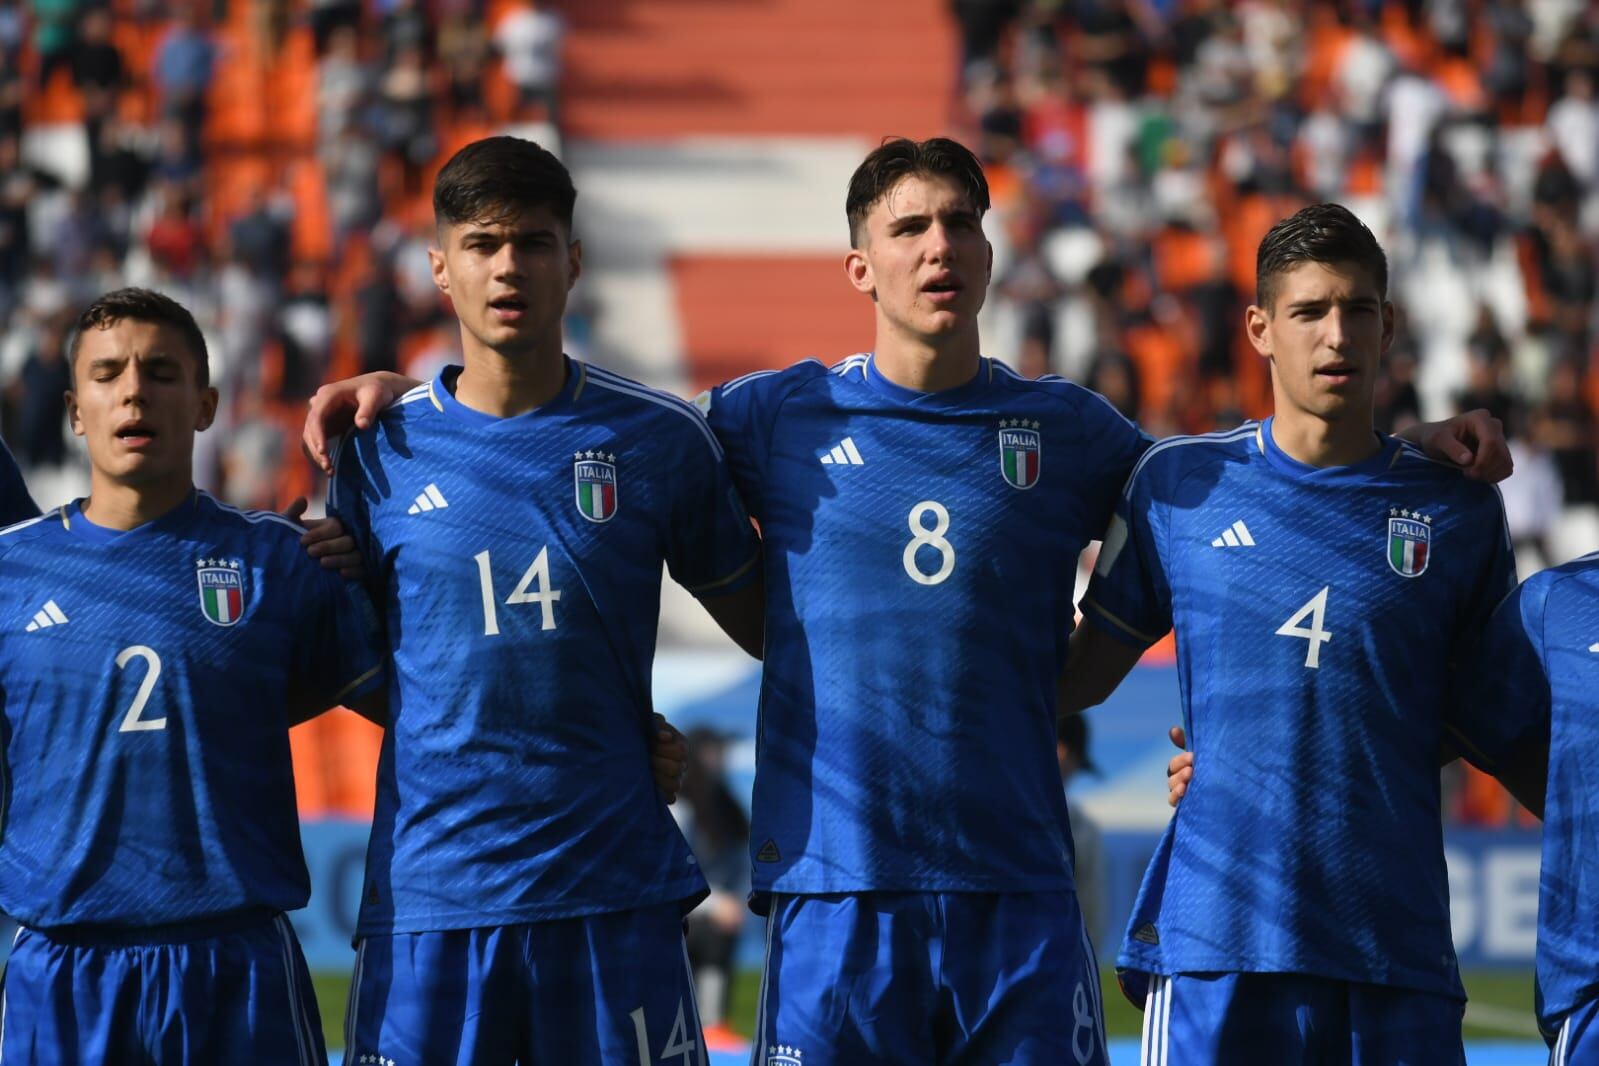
[1316, 609]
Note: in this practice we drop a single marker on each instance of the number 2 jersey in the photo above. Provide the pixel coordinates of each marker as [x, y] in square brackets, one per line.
[921, 554]
[1319, 614]
[1536, 676]
[146, 678]
[517, 562]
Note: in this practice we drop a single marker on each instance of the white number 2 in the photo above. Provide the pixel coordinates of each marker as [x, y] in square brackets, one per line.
[679, 1042]
[933, 538]
[537, 578]
[131, 722]
[1316, 609]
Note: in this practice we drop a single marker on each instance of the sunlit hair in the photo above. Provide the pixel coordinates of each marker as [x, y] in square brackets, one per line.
[1320, 233]
[898, 158]
[498, 178]
[144, 305]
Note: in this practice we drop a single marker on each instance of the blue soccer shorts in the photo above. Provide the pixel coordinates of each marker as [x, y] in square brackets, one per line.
[1577, 1041]
[608, 989]
[924, 978]
[1278, 1017]
[238, 996]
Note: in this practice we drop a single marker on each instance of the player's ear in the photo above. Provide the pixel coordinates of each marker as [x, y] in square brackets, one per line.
[988, 274]
[436, 262]
[208, 409]
[1387, 326]
[1256, 319]
[72, 412]
[574, 263]
[859, 270]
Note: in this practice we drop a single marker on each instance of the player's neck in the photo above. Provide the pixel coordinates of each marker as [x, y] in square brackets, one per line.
[503, 386]
[114, 505]
[1321, 442]
[913, 363]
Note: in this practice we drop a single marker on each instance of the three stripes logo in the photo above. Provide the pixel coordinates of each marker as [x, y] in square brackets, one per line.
[1234, 536]
[429, 499]
[844, 453]
[49, 615]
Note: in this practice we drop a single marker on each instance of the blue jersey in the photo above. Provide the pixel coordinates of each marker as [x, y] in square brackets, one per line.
[518, 564]
[921, 553]
[146, 678]
[15, 503]
[1318, 612]
[1533, 677]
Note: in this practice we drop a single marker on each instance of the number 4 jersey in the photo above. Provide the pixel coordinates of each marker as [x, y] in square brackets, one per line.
[1319, 614]
[146, 678]
[921, 555]
[517, 562]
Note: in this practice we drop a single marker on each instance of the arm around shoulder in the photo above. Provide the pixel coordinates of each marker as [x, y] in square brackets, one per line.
[1096, 663]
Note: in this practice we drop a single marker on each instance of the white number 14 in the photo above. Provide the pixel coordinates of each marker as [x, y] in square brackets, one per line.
[536, 578]
[1316, 609]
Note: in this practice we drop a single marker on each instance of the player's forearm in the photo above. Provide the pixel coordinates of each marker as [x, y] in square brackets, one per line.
[1095, 664]
[742, 616]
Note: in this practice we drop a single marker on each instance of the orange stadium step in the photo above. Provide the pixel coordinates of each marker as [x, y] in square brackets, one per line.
[668, 68]
[744, 313]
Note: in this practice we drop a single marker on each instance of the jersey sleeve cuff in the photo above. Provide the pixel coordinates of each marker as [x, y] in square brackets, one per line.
[731, 583]
[1116, 627]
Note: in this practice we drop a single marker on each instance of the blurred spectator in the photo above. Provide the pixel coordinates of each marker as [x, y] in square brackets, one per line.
[305, 324]
[1088, 843]
[1565, 426]
[54, 23]
[40, 439]
[405, 98]
[528, 37]
[1533, 498]
[718, 830]
[185, 63]
[463, 48]
[97, 70]
[345, 84]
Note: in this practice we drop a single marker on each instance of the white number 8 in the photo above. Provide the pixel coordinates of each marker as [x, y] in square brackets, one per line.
[933, 538]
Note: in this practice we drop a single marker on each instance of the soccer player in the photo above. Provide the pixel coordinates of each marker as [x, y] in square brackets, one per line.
[159, 644]
[525, 887]
[922, 509]
[1322, 579]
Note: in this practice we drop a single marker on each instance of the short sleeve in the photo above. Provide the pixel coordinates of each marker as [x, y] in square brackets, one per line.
[1116, 445]
[1502, 692]
[347, 494]
[15, 503]
[711, 546]
[339, 653]
[737, 413]
[1129, 596]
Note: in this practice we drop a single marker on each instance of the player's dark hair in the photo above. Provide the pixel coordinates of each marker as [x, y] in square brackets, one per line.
[898, 158]
[1320, 233]
[144, 305]
[497, 178]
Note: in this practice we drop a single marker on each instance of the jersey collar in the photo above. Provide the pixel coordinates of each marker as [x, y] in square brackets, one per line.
[959, 396]
[441, 394]
[78, 524]
[1371, 467]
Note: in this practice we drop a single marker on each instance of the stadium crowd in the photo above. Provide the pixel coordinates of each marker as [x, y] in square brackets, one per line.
[268, 164]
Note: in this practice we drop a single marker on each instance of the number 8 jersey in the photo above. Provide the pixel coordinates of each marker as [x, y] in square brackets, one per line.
[1318, 614]
[517, 562]
[921, 556]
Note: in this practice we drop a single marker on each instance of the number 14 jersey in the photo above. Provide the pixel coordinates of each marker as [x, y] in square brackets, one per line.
[1318, 614]
[921, 556]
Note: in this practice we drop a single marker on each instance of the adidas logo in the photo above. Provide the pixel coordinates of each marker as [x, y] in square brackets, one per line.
[1235, 536]
[49, 615]
[430, 499]
[769, 853]
[843, 453]
[1147, 934]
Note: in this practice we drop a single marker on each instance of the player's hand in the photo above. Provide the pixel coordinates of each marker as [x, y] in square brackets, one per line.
[338, 405]
[1180, 770]
[1473, 441]
[668, 759]
[326, 541]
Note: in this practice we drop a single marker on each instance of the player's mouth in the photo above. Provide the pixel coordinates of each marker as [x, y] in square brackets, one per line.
[942, 289]
[1338, 373]
[508, 309]
[136, 436]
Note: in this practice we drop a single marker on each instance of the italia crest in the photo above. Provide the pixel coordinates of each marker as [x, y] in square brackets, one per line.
[221, 590]
[594, 480]
[1021, 452]
[1409, 542]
